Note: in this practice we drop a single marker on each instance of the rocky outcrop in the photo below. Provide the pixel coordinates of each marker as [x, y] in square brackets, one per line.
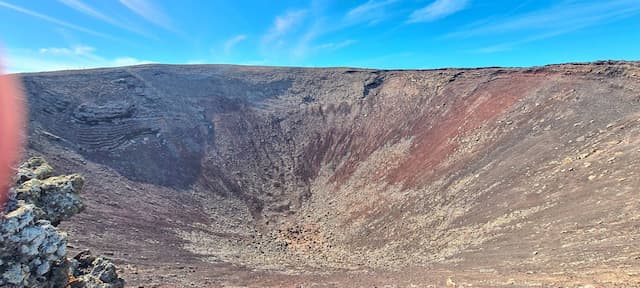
[54, 198]
[33, 251]
[89, 271]
[34, 168]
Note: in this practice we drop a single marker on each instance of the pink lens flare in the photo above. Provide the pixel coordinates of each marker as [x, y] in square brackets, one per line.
[11, 128]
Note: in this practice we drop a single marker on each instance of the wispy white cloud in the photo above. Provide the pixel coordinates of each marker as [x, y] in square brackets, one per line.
[279, 41]
[372, 11]
[298, 34]
[196, 61]
[507, 46]
[84, 8]
[261, 62]
[126, 61]
[389, 61]
[63, 58]
[283, 24]
[76, 50]
[52, 20]
[149, 11]
[437, 10]
[336, 46]
[305, 49]
[228, 46]
[302, 47]
[561, 18]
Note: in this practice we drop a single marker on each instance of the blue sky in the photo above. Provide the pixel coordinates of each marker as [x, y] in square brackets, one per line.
[39, 35]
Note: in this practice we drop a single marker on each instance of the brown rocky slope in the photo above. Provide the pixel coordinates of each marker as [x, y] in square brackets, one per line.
[212, 175]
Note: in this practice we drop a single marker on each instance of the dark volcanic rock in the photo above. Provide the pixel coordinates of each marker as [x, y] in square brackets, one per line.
[55, 198]
[30, 250]
[88, 271]
[33, 168]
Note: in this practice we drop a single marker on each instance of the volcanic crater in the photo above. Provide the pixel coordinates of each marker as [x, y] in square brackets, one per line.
[221, 175]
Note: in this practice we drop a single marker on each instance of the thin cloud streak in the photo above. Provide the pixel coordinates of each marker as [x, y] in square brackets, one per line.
[84, 8]
[284, 23]
[88, 10]
[373, 11]
[336, 46]
[53, 20]
[150, 12]
[437, 10]
[302, 49]
[557, 20]
[564, 16]
[292, 37]
[507, 46]
[275, 39]
[233, 42]
[64, 58]
[77, 50]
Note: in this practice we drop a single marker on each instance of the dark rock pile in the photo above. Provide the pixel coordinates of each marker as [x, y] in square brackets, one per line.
[32, 250]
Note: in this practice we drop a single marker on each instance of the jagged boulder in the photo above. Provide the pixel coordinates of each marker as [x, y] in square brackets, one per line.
[34, 168]
[55, 198]
[29, 249]
[88, 271]
[32, 250]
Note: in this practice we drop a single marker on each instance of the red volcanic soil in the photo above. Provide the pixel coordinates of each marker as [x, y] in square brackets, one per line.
[436, 142]
[217, 175]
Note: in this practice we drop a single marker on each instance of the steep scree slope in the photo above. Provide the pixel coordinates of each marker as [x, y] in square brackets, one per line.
[217, 174]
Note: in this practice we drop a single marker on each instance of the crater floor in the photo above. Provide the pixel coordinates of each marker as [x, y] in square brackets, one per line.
[212, 175]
